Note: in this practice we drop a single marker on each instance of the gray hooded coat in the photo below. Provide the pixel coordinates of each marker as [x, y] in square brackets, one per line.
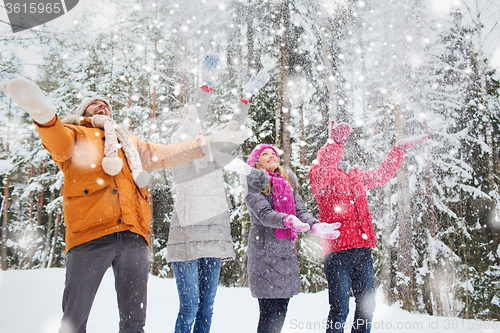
[200, 226]
[273, 269]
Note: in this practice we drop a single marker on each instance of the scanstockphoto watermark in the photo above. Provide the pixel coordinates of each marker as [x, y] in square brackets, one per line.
[360, 323]
[438, 324]
[27, 14]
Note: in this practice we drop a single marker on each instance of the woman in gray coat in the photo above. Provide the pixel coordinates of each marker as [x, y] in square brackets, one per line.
[277, 214]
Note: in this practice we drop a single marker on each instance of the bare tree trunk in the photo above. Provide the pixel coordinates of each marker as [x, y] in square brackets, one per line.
[5, 208]
[252, 66]
[30, 219]
[278, 120]
[233, 50]
[302, 136]
[152, 236]
[40, 202]
[404, 246]
[284, 98]
[386, 243]
[404, 222]
[466, 254]
[6, 195]
[287, 147]
[152, 113]
[36, 231]
[48, 233]
[279, 102]
[431, 227]
[387, 227]
[331, 81]
[483, 106]
[183, 95]
[129, 84]
[56, 230]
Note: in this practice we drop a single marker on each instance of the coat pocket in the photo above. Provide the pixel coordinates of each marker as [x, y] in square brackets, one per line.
[145, 208]
[280, 247]
[89, 205]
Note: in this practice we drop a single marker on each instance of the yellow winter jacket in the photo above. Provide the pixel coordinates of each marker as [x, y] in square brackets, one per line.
[95, 203]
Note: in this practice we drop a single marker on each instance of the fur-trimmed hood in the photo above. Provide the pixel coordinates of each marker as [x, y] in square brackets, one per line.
[74, 119]
[259, 178]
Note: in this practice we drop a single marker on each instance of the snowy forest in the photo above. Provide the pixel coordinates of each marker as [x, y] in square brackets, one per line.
[391, 68]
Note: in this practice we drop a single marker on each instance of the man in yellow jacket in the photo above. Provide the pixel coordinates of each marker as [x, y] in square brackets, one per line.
[107, 213]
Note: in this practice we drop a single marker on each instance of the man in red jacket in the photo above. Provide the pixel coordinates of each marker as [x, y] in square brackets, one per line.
[341, 195]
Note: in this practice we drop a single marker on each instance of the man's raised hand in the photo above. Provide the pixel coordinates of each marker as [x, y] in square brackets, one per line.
[28, 96]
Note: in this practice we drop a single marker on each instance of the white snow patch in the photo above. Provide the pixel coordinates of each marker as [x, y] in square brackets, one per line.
[23, 297]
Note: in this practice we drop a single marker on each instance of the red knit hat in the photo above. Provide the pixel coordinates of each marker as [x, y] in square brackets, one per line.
[253, 158]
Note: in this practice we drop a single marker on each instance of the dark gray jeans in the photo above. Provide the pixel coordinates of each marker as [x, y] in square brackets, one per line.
[127, 252]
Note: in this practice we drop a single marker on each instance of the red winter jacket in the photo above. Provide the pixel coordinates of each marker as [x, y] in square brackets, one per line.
[342, 196]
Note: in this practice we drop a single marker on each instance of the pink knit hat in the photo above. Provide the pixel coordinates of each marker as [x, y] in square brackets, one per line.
[253, 158]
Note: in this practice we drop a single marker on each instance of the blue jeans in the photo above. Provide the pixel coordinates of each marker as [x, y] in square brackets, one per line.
[346, 270]
[197, 282]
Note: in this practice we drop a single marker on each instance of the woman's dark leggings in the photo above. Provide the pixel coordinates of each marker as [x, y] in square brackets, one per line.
[272, 314]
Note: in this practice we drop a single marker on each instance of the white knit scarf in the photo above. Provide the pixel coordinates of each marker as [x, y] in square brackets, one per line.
[111, 163]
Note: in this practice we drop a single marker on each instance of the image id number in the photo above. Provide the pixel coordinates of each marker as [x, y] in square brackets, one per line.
[33, 8]
[469, 324]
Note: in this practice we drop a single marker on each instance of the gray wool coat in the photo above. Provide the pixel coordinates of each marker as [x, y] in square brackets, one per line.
[273, 269]
[200, 225]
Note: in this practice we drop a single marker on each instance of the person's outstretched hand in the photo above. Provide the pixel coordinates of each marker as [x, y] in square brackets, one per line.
[28, 96]
[231, 163]
[326, 230]
[340, 132]
[255, 84]
[292, 222]
[209, 70]
[225, 138]
[411, 142]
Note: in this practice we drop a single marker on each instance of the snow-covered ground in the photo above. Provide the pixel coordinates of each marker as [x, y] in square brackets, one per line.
[30, 302]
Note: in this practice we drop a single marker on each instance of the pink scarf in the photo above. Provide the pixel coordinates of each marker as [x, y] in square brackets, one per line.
[283, 203]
